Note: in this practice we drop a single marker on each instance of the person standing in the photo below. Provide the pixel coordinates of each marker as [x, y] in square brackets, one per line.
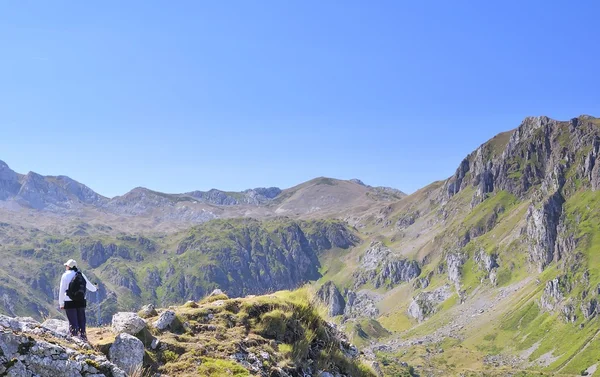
[71, 298]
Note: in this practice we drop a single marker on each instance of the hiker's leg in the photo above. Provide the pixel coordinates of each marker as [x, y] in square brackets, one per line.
[73, 321]
[82, 322]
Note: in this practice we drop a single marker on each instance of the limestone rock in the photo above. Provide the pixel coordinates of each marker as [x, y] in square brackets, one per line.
[455, 262]
[148, 311]
[542, 230]
[329, 295]
[381, 266]
[24, 354]
[361, 304]
[425, 303]
[127, 322]
[165, 320]
[127, 352]
[57, 325]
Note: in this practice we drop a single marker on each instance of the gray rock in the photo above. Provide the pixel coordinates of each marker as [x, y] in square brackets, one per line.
[361, 304]
[554, 293]
[165, 320]
[455, 262]
[381, 266]
[57, 325]
[32, 356]
[127, 352]
[425, 303]
[127, 322]
[216, 292]
[542, 230]
[330, 296]
[589, 308]
[148, 311]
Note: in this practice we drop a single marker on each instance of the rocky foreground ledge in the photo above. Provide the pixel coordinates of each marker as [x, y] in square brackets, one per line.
[279, 335]
[29, 348]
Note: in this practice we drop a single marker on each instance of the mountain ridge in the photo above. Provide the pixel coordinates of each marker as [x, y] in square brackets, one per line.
[480, 272]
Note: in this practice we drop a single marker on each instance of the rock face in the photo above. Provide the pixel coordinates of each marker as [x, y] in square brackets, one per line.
[554, 293]
[361, 304]
[455, 262]
[250, 259]
[127, 352]
[556, 157]
[425, 303]
[382, 267]
[542, 230]
[255, 196]
[488, 263]
[23, 353]
[331, 297]
[128, 323]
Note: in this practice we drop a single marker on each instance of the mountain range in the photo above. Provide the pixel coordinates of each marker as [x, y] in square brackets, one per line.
[492, 271]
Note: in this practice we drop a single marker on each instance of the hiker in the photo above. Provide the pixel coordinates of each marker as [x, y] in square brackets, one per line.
[71, 297]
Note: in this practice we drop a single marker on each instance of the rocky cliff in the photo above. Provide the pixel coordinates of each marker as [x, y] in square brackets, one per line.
[238, 256]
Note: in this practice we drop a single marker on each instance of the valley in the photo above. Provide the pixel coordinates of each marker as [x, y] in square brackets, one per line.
[494, 271]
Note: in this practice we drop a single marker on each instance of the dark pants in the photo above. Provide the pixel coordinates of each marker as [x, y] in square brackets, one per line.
[76, 318]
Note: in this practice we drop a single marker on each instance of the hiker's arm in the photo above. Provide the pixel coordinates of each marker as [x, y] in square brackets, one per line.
[62, 294]
[89, 285]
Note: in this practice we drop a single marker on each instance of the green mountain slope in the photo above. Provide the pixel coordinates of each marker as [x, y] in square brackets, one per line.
[492, 271]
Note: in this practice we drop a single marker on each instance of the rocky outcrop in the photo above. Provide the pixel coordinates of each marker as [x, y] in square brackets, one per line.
[406, 220]
[381, 266]
[455, 261]
[487, 263]
[251, 258]
[425, 303]
[122, 276]
[29, 349]
[330, 296]
[589, 308]
[526, 157]
[128, 323]
[255, 196]
[423, 282]
[9, 182]
[127, 352]
[361, 304]
[542, 229]
[554, 293]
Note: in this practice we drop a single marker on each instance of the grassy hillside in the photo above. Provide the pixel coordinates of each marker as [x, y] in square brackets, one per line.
[252, 336]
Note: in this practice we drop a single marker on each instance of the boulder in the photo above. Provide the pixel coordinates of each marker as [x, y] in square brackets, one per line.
[165, 320]
[57, 325]
[126, 322]
[127, 352]
[148, 311]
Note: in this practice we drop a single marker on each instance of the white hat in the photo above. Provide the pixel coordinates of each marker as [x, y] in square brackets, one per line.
[71, 263]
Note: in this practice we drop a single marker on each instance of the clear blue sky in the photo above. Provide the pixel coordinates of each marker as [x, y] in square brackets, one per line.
[185, 95]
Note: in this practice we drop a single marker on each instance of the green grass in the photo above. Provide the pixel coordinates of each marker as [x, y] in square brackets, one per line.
[217, 368]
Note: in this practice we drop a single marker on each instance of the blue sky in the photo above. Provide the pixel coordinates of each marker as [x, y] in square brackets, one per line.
[185, 95]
